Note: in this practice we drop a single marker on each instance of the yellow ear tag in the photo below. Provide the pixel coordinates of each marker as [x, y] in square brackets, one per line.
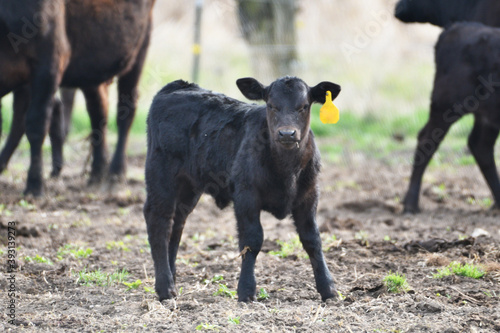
[329, 113]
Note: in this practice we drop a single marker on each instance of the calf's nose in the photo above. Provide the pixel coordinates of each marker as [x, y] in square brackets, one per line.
[287, 135]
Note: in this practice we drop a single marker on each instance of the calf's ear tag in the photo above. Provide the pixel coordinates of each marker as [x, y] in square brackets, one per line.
[329, 113]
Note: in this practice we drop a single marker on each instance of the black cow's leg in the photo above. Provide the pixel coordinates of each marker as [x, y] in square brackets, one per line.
[251, 236]
[429, 139]
[97, 107]
[481, 143]
[59, 128]
[187, 199]
[127, 103]
[159, 212]
[307, 228]
[17, 127]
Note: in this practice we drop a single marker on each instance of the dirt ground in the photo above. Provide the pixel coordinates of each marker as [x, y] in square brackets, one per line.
[359, 205]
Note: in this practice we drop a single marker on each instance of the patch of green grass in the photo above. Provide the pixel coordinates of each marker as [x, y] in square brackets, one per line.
[74, 251]
[133, 285]
[456, 268]
[216, 278]
[5, 212]
[262, 294]
[101, 278]
[207, 327]
[39, 259]
[396, 283]
[149, 290]
[120, 246]
[484, 203]
[25, 204]
[440, 191]
[224, 291]
[234, 320]
[291, 247]
[379, 134]
[362, 237]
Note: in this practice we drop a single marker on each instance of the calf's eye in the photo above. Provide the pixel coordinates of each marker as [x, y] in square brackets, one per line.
[304, 108]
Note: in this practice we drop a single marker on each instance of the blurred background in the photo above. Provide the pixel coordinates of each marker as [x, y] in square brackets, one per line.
[385, 68]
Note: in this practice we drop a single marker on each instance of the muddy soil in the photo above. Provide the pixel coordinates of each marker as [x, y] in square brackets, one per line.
[359, 206]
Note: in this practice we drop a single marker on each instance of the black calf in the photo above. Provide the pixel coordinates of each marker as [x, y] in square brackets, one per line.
[259, 157]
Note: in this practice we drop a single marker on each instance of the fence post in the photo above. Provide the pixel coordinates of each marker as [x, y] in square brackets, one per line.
[197, 41]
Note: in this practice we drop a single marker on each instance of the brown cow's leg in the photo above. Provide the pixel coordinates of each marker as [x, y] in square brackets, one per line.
[97, 107]
[17, 127]
[127, 103]
[429, 139]
[481, 143]
[59, 128]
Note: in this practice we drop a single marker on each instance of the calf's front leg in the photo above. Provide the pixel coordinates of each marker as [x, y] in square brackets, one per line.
[250, 236]
[305, 221]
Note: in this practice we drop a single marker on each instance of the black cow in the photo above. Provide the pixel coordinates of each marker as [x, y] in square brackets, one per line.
[445, 12]
[47, 43]
[259, 157]
[467, 81]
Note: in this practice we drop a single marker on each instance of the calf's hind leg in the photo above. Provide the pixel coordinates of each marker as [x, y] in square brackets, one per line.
[481, 143]
[187, 199]
[159, 212]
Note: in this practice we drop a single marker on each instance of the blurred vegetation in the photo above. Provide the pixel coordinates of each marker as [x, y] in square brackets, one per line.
[378, 135]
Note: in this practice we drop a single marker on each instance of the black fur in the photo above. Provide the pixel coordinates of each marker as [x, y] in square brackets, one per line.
[443, 13]
[259, 157]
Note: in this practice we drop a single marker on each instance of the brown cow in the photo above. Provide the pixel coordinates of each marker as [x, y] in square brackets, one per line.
[49, 43]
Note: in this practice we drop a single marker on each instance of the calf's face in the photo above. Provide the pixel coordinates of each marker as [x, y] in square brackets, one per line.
[288, 101]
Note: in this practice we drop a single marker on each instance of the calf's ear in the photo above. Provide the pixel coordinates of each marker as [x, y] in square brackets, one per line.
[251, 88]
[318, 92]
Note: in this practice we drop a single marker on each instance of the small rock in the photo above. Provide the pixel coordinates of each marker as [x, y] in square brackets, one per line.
[479, 232]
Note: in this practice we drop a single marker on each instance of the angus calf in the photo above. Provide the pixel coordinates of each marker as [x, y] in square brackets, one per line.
[259, 157]
[467, 81]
